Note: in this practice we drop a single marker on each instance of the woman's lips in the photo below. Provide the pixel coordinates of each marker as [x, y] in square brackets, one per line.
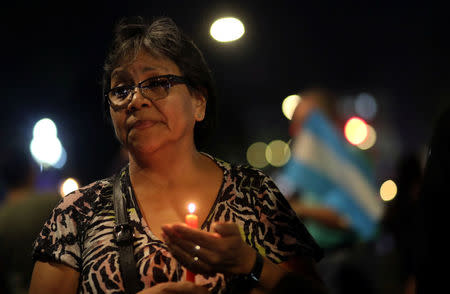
[143, 124]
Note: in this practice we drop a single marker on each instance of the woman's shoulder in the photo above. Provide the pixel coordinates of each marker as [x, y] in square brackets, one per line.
[235, 167]
[87, 199]
[243, 175]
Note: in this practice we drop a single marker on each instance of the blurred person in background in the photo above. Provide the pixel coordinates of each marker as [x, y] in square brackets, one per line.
[159, 94]
[397, 240]
[333, 192]
[22, 215]
[433, 212]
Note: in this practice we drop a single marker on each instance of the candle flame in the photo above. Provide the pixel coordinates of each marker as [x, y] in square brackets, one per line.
[191, 207]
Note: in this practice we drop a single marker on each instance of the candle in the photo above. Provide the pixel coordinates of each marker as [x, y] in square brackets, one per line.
[191, 218]
[192, 221]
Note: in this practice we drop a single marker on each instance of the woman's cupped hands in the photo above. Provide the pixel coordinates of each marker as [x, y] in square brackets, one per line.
[220, 251]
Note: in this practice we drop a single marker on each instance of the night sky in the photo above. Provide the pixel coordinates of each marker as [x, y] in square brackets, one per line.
[52, 57]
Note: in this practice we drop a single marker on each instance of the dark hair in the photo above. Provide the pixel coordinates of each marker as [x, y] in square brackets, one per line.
[163, 38]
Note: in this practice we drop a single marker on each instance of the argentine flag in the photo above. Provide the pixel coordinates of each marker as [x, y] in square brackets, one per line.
[323, 164]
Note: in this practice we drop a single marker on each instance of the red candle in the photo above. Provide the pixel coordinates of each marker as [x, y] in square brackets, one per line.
[191, 218]
[192, 221]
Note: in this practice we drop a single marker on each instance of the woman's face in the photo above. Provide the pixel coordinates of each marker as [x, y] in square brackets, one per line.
[145, 125]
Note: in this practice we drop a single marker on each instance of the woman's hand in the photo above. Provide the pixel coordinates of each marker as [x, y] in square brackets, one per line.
[182, 287]
[209, 253]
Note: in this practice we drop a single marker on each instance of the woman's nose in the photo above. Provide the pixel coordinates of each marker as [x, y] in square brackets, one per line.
[138, 100]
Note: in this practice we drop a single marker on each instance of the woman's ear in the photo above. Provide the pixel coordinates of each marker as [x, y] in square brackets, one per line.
[199, 106]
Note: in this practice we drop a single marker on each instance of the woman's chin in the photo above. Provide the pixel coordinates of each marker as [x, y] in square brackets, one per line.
[144, 145]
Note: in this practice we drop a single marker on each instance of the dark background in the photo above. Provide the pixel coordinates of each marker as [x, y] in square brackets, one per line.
[52, 57]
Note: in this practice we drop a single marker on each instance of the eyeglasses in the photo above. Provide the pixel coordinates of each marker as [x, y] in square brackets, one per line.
[154, 88]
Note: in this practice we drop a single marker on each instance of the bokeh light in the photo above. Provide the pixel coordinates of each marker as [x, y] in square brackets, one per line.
[278, 153]
[256, 155]
[366, 106]
[356, 130]
[62, 159]
[388, 190]
[46, 151]
[370, 139]
[289, 104]
[227, 29]
[45, 128]
[69, 185]
[45, 146]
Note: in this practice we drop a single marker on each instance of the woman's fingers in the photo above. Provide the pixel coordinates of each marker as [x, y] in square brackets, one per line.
[226, 229]
[189, 255]
[202, 238]
[204, 252]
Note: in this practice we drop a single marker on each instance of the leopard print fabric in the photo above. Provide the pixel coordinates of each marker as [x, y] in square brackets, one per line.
[79, 232]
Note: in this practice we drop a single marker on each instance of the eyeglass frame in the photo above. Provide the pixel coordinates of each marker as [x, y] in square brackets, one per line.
[173, 80]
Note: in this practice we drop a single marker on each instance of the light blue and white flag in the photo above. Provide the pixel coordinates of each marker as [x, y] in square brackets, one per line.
[325, 165]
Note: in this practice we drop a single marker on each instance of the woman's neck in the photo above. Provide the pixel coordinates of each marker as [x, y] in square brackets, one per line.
[164, 168]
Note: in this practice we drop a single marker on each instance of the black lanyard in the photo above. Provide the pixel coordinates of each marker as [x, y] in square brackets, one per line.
[124, 238]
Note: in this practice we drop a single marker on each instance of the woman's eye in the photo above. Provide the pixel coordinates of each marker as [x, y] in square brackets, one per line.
[156, 84]
[121, 92]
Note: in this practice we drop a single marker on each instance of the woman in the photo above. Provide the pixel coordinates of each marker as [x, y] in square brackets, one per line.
[159, 95]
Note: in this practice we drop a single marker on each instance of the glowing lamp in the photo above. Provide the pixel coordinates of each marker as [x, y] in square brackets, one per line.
[227, 29]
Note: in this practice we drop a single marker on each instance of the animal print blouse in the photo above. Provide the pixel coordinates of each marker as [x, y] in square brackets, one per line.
[79, 232]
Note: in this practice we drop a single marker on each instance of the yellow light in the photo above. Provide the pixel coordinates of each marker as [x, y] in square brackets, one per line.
[370, 139]
[69, 185]
[256, 155]
[356, 130]
[191, 207]
[388, 190]
[227, 29]
[278, 153]
[289, 104]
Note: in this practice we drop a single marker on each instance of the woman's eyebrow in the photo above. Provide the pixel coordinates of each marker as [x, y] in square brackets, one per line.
[118, 73]
[149, 68]
[121, 75]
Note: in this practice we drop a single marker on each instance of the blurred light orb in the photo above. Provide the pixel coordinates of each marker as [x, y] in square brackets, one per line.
[46, 151]
[62, 159]
[45, 146]
[44, 128]
[227, 29]
[68, 186]
[278, 153]
[256, 155]
[356, 130]
[289, 104]
[388, 190]
[370, 139]
[366, 106]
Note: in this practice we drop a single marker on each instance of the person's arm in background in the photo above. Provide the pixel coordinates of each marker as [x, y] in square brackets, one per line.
[322, 214]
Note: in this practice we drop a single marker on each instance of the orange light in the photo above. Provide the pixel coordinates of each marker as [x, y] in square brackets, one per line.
[356, 130]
